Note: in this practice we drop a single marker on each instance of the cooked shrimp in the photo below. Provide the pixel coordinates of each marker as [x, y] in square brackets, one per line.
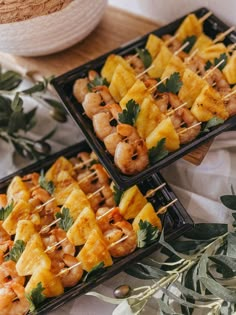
[162, 101]
[92, 74]
[131, 158]
[149, 82]
[230, 103]
[4, 236]
[104, 198]
[136, 63]
[9, 274]
[172, 43]
[31, 180]
[1, 256]
[105, 94]
[80, 89]
[107, 217]
[7, 245]
[21, 305]
[73, 276]
[127, 246]
[111, 142]
[3, 200]
[6, 298]
[92, 104]
[101, 174]
[196, 64]
[102, 124]
[189, 120]
[128, 132]
[217, 80]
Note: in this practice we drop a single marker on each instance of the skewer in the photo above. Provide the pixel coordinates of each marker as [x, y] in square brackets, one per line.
[221, 36]
[145, 71]
[205, 17]
[96, 192]
[186, 44]
[83, 163]
[163, 209]
[230, 94]
[46, 227]
[175, 109]
[187, 129]
[87, 177]
[156, 85]
[213, 69]
[54, 246]
[45, 203]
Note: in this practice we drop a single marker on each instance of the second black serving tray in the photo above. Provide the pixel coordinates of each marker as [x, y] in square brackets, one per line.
[64, 84]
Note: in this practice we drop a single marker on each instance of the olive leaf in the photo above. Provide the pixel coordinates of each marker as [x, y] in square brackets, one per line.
[144, 271]
[9, 80]
[16, 251]
[229, 201]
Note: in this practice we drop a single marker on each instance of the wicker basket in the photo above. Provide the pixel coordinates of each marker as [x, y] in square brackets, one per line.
[70, 22]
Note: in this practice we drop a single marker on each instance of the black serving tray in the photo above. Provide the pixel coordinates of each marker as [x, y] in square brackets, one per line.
[176, 222]
[64, 83]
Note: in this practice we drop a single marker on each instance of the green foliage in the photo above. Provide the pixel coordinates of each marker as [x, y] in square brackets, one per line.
[147, 234]
[145, 56]
[16, 251]
[4, 212]
[158, 152]
[130, 113]
[66, 220]
[213, 122]
[172, 85]
[94, 272]
[191, 40]
[47, 185]
[216, 61]
[36, 297]
[117, 194]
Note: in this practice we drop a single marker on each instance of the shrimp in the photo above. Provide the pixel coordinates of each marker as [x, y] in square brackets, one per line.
[136, 63]
[6, 298]
[149, 83]
[131, 158]
[105, 94]
[196, 64]
[3, 200]
[4, 236]
[111, 142]
[102, 124]
[230, 103]
[21, 305]
[104, 198]
[101, 174]
[92, 74]
[172, 43]
[162, 101]
[127, 246]
[31, 180]
[72, 276]
[8, 273]
[7, 245]
[217, 79]
[107, 217]
[92, 104]
[41, 196]
[189, 120]
[80, 89]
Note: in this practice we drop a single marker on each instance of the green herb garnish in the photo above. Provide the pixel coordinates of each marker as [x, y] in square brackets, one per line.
[172, 85]
[146, 234]
[145, 56]
[94, 272]
[158, 152]
[36, 297]
[216, 61]
[130, 113]
[4, 212]
[191, 40]
[66, 220]
[97, 82]
[16, 251]
[47, 185]
[117, 194]
[213, 122]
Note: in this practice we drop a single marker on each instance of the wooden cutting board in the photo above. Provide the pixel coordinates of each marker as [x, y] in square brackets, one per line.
[116, 28]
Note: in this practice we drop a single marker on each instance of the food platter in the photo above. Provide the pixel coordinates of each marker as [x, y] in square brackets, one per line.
[176, 221]
[64, 86]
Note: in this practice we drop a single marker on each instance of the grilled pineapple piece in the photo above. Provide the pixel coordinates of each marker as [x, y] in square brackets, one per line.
[160, 62]
[213, 51]
[82, 227]
[121, 82]
[132, 201]
[166, 130]
[76, 202]
[61, 164]
[65, 184]
[110, 65]
[20, 211]
[202, 42]
[209, 104]
[137, 92]
[175, 65]
[230, 69]
[50, 282]
[24, 230]
[148, 117]
[33, 257]
[192, 86]
[17, 190]
[153, 45]
[94, 251]
[190, 26]
[147, 214]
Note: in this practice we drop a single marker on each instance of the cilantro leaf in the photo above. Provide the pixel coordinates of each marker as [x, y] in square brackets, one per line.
[97, 82]
[36, 297]
[130, 113]
[158, 152]
[66, 220]
[191, 40]
[146, 234]
[145, 56]
[208, 65]
[4, 212]
[117, 194]
[16, 251]
[47, 185]
[172, 85]
[213, 122]
[94, 272]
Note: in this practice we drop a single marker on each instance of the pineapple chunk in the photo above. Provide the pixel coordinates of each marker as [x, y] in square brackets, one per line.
[110, 65]
[24, 230]
[82, 227]
[76, 202]
[94, 252]
[166, 130]
[160, 62]
[230, 69]
[50, 282]
[61, 164]
[121, 82]
[202, 42]
[153, 45]
[65, 185]
[20, 211]
[33, 257]
[147, 214]
[132, 201]
[213, 51]
[175, 65]
[190, 26]
[209, 104]
[137, 92]
[3, 233]
[192, 86]
[148, 117]
[17, 190]
[3, 200]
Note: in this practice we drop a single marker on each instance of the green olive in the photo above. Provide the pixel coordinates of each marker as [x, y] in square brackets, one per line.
[58, 115]
[42, 147]
[122, 291]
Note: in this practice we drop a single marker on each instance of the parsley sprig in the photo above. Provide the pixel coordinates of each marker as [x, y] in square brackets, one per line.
[145, 56]
[146, 234]
[97, 82]
[130, 113]
[210, 64]
[35, 298]
[47, 185]
[158, 152]
[191, 40]
[4, 212]
[117, 194]
[172, 85]
[16, 251]
[213, 122]
[66, 220]
[94, 272]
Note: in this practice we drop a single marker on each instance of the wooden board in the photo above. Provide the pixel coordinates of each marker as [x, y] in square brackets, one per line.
[116, 28]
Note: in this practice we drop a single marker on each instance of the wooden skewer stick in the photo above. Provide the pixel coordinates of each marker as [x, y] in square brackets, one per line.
[87, 177]
[186, 44]
[230, 94]
[205, 17]
[156, 85]
[175, 109]
[191, 127]
[163, 209]
[96, 192]
[46, 227]
[45, 203]
[82, 164]
[145, 71]
[221, 36]
[54, 246]
[213, 69]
